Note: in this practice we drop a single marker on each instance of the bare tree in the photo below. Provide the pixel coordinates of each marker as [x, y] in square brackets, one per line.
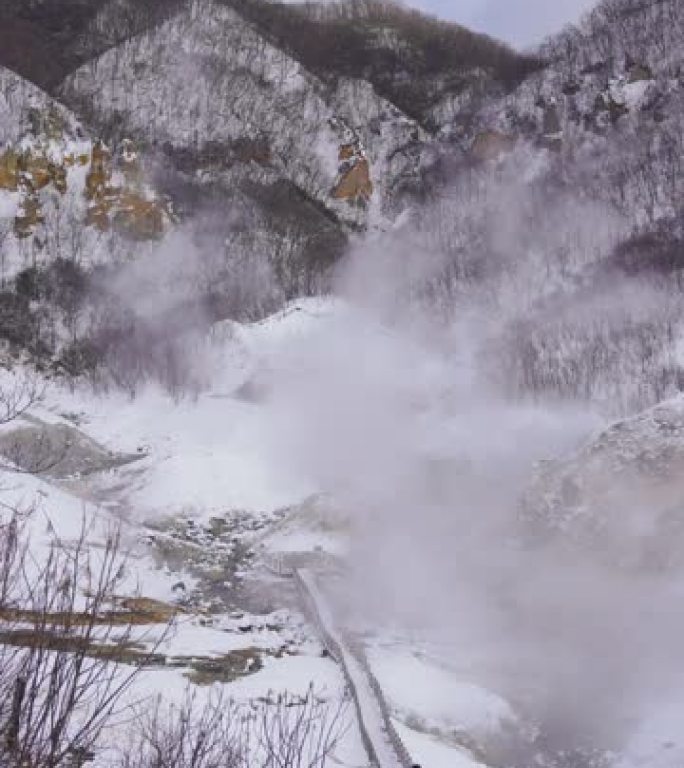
[5, 231]
[18, 395]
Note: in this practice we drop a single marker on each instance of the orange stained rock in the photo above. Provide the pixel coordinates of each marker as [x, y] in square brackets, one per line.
[36, 170]
[139, 218]
[355, 184]
[9, 170]
[491, 145]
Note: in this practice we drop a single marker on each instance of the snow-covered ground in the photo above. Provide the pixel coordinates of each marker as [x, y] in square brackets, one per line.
[198, 459]
[232, 459]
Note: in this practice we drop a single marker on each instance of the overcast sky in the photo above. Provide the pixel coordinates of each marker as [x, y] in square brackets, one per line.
[520, 22]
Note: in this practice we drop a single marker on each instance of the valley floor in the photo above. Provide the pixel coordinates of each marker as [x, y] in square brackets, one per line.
[209, 498]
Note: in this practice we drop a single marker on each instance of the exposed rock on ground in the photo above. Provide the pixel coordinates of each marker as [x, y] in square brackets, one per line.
[620, 495]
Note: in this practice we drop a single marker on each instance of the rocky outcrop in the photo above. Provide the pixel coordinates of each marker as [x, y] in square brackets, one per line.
[354, 182]
[639, 73]
[31, 170]
[139, 218]
[99, 173]
[127, 207]
[38, 172]
[620, 495]
[55, 179]
[117, 197]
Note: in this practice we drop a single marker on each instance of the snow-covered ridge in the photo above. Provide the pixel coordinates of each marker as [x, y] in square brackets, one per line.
[207, 76]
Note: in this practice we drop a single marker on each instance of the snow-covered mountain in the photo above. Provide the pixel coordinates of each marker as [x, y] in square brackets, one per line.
[274, 135]
[214, 159]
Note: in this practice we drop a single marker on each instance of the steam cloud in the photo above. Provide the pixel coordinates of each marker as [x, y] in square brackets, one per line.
[387, 408]
[387, 404]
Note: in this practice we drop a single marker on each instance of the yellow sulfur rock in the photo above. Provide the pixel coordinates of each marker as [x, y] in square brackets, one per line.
[98, 216]
[59, 177]
[100, 172]
[9, 170]
[35, 170]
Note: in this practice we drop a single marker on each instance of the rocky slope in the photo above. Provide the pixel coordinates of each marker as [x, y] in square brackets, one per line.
[567, 216]
[52, 169]
[620, 495]
[69, 206]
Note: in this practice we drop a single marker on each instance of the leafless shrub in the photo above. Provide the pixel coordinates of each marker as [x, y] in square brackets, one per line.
[13, 551]
[185, 736]
[30, 450]
[59, 686]
[68, 656]
[285, 732]
[296, 733]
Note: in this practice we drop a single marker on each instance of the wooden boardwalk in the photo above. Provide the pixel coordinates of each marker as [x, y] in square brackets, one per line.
[383, 744]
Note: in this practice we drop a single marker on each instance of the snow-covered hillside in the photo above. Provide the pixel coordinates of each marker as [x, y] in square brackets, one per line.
[206, 78]
[61, 194]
